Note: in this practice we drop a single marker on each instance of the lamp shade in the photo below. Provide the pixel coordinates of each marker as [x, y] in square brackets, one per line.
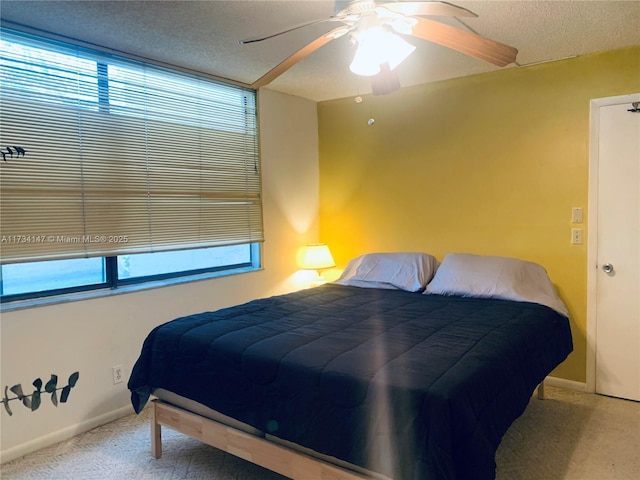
[317, 256]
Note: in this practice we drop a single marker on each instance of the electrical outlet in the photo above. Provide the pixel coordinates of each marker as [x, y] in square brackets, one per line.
[576, 236]
[118, 374]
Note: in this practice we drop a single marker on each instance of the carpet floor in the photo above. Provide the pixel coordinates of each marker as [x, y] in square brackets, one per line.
[569, 435]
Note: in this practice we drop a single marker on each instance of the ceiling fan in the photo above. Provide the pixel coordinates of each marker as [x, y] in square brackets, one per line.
[377, 29]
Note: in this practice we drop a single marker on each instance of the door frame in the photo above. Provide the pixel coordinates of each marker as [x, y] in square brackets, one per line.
[592, 230]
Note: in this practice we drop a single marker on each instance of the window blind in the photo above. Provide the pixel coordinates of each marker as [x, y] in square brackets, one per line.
[119, 156]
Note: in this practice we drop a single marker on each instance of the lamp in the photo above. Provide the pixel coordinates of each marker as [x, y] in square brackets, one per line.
[378, 46]
[317, 257]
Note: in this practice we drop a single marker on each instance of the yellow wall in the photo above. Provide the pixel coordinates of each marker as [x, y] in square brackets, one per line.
[488, 164]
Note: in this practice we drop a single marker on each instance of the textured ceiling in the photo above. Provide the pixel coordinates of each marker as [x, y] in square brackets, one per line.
[203, 36]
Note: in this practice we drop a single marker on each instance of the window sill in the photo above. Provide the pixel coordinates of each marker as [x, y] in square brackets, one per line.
[108, 292]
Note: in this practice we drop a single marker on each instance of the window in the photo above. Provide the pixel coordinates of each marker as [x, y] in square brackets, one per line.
[130, 171]
[152, 265]
[54, 277]
[22, 279]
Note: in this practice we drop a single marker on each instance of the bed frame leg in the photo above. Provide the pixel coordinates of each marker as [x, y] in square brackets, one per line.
[541, 391]
[156, 432]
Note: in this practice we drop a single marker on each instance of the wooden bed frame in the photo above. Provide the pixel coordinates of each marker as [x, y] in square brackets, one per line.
[258, 450]
[267, 454]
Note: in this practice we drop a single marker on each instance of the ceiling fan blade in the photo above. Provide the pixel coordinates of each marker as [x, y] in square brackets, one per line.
[296, 27]
[299, 55]
[465, 42]
[428, 8]
[385, 82]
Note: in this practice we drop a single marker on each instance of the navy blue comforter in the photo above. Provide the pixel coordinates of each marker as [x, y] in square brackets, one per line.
[408, 385]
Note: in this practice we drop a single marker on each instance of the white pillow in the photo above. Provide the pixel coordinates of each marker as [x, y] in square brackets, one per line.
[470, 275]
[397, 271]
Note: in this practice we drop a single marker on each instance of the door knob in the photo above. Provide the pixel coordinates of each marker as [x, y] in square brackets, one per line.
[607, 268]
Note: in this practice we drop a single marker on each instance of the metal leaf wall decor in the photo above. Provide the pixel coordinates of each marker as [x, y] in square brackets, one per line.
[33, 400]
[10, 150]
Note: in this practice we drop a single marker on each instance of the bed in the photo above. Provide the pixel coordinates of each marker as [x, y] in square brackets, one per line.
[403, 369]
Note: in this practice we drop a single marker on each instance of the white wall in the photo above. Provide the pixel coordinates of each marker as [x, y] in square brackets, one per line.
[91, 336]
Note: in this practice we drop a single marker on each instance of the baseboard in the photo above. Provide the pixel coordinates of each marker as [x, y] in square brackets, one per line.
[62, 435]
[564, 383]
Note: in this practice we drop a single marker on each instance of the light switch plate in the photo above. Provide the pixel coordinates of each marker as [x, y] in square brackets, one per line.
[576, 215]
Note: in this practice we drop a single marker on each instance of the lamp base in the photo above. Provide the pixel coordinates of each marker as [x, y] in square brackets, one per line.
[320, 280]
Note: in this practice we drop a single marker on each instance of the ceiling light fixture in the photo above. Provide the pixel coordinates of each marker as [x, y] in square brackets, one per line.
[383, 45]
[378, 46]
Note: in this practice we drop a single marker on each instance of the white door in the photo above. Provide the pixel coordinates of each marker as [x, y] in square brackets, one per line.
[617, 346]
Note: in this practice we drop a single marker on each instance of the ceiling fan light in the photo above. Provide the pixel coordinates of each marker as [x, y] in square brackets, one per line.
[404, 25]
[397, 50]
[377, 46]
[364, 62]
